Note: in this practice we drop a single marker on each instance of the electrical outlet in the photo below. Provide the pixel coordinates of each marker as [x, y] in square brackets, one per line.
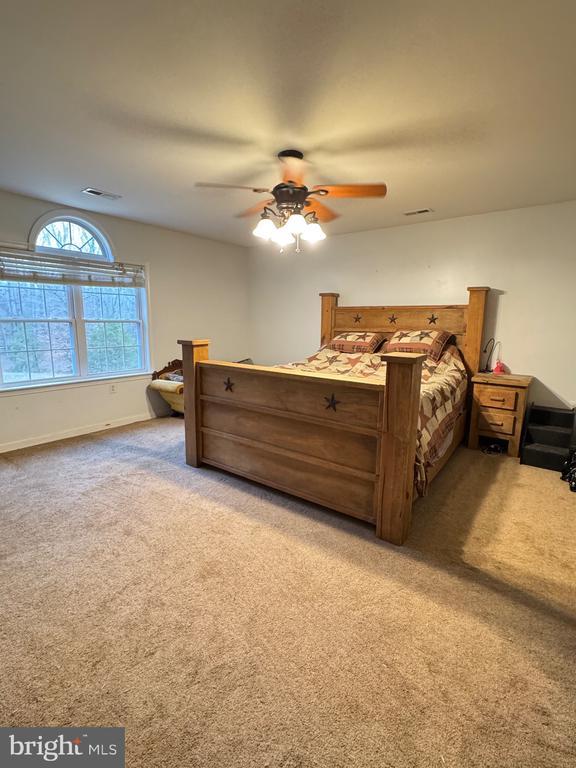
[113, 389]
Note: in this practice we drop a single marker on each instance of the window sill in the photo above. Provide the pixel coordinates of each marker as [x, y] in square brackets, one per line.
[32, 389]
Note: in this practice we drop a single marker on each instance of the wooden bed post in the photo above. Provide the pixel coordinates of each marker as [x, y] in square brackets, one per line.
[192, 352]
[402, 404]
[329, 304]
[475, 327]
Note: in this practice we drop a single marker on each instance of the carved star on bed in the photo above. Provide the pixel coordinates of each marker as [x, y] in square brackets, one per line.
[357, 317]
[392, 319]
[229, 385]
[432, 319]
[331, 402]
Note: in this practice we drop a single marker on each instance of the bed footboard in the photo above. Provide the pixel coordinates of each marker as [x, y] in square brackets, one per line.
[347, 444]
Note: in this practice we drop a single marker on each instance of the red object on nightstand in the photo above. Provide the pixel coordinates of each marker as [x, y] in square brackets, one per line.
[499, 367]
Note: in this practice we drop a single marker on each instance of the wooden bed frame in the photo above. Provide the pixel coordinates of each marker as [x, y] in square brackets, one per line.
[342, 442]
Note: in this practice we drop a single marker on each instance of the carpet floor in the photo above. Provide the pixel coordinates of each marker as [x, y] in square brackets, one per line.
[229, 626]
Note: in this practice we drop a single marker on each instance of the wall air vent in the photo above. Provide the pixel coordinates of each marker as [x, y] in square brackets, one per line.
[418, 212]
[93, 192]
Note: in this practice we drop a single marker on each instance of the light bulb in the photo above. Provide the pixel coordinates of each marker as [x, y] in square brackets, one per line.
[296, 224]
[264, 229]
[282, 237]
[313, 233]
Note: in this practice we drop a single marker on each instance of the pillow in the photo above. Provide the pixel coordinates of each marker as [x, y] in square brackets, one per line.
[353, 341]
[430, 343]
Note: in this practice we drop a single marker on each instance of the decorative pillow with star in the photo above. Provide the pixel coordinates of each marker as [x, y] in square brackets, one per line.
[356, 341]
[429, 343]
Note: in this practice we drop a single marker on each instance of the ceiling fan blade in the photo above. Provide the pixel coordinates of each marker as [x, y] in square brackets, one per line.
[322, 211]
[354, 190]
[230, 186]
[258, 208]
[293, 169]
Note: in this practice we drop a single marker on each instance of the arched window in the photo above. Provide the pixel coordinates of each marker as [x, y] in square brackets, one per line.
[54, 327]
[72, 234]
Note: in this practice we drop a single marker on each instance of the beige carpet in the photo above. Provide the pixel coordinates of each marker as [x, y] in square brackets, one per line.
[226, 625]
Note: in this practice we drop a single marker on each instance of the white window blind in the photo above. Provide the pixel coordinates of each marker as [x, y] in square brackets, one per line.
[38, 267]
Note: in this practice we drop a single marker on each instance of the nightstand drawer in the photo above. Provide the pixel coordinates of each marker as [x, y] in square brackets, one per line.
[496, 397]
[491, 421]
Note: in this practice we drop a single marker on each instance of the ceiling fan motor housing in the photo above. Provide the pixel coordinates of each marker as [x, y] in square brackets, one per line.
[290, 196]
[291, 153]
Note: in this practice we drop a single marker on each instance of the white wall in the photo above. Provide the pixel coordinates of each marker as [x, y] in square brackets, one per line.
[265, 304]
[527, 256]
[198, 288]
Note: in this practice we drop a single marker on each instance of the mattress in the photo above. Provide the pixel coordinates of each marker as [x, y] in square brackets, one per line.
[442, 396]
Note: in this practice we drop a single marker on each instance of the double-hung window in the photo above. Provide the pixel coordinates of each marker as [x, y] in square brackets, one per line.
[68, 311]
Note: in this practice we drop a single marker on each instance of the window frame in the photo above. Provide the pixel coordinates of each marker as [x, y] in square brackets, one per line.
[76, 314]
[95, 230]
[80, 328]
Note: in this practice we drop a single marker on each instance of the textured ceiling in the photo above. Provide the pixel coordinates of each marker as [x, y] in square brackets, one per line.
[458, 106]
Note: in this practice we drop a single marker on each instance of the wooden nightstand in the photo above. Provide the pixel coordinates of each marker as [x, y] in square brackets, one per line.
[498, 407]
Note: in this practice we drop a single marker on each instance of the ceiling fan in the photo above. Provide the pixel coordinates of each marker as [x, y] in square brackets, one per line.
[296, 207]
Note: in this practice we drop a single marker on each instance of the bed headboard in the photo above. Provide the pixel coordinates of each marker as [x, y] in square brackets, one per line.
[465, 321]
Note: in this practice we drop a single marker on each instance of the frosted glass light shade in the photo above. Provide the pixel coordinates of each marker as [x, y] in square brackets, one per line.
[282, 237]
[296, 224]
[313, 233]
[264, 229]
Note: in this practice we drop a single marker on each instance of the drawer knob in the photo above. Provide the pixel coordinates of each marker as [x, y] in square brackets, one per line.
[497, 399]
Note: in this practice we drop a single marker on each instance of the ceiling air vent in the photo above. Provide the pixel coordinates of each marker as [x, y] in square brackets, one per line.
[93, 192]
[418, 212]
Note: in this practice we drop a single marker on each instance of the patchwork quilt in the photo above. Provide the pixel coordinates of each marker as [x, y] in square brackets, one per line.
[442, 396]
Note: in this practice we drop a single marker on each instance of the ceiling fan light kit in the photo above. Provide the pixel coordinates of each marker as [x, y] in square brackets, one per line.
[314, 233]
[265, 228]
[292, 228]
[283, 238]
[295, 207]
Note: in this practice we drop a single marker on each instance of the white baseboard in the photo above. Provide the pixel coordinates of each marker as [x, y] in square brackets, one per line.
[28, 442]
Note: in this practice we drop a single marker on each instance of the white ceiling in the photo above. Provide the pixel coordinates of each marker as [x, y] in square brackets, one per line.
[460, 106]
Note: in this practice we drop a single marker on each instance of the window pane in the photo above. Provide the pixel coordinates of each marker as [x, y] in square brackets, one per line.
[40, 365]
[29, 300]
[4, 301]
[27, 350]
[58, 229]
[79, 235]
[92, 246]
[63, 363]
[14, 337]
[46, 239]
[115, 356]
[37, 336]
[32, 300]
[96, 361]
[69, 236]
[15, 305]
[110, 304]
[114, 336]
[61, 336]
[132, 358]
[128, 304]
[131, 333]
[56, 302]
[14, 367]
[95, 335]
[92, 303]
